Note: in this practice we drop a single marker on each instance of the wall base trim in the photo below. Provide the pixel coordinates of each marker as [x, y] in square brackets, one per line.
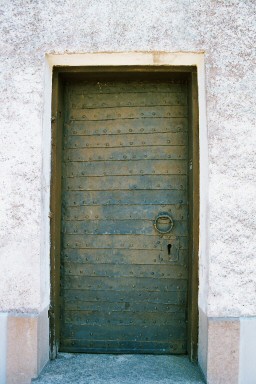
[25, 347]
[226, 349]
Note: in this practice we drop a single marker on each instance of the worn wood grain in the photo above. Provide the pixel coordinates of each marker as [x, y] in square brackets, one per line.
[125, 159]
[133, 154]
[138, 242]
[126, 126]
[121, 270]
[126, 100]
[99, 308]
[101, 87]
[119, 332]
[125, 168]
[119, 227]
[133, 140]
[125, 212]
[132, 346]
[127, 299]
[96, 183]
[127, 256]
[133, 196]
[128, 113]
[121, 318]
[122, 283]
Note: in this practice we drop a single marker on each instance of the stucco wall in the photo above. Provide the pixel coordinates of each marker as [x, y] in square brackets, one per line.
[224, 31]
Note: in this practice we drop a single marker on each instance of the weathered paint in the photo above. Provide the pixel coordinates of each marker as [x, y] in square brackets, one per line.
[124, 305]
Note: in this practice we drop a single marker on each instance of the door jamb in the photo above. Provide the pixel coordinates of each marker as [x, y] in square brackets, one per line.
[55, 198]
[55, 212]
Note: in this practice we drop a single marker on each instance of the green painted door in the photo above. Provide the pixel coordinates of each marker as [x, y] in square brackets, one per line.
[123, 270]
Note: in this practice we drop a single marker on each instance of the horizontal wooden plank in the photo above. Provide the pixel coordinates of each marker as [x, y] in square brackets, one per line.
[124, 318]
[122, 284]
[119, 332]
[98, 308]
[83, 88]
[124, 168]
[121, 270]
[120, 227]
[133, 154]
[126, 126]
[102, 183]
[132, 99]
[128, 113]
[126, 212]
[177, 304]
[124, 197]
[127, 168]
[132, 140]
[128, 256]
[122, 241]
[132, 346]
[74, 299]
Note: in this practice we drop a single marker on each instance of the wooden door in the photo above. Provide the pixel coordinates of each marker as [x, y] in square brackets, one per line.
[124, 217]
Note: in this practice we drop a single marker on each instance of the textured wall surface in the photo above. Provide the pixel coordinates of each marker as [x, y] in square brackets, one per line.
[225, 31]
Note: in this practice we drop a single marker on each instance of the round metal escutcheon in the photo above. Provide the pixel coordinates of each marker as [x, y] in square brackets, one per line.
[163, 222]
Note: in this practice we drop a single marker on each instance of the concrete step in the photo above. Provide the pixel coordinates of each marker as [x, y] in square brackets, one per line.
[120, 369]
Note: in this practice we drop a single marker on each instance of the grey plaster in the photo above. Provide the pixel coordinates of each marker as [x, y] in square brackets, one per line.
[116, 369]
[225, 31]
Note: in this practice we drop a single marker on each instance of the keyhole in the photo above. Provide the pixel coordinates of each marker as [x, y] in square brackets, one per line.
[169, 246]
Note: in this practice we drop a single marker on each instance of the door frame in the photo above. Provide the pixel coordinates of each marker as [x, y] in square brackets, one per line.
[66, 73]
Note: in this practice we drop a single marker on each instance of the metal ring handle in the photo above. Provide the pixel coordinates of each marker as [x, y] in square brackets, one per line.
[165, 219]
